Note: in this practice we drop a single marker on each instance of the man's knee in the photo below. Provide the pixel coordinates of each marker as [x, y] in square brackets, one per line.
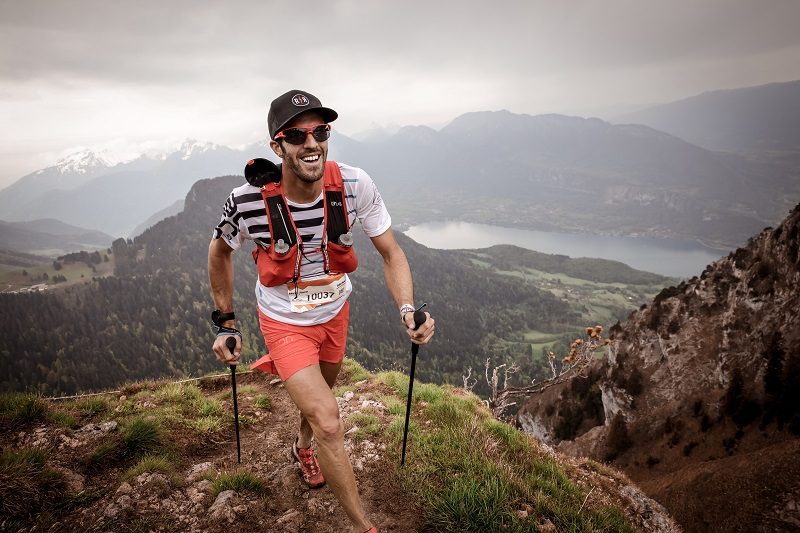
[326, 423]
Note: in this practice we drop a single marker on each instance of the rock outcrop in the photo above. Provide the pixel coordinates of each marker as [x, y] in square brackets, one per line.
[706, 373]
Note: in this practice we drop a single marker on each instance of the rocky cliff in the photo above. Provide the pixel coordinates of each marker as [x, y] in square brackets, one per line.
[698, 397]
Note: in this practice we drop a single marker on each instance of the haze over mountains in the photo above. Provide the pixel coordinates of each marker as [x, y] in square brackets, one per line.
[545, 172]
[753, 119]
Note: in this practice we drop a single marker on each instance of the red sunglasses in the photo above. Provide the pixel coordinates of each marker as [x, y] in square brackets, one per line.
[320, 133]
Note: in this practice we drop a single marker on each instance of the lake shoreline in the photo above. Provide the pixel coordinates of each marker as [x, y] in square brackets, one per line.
[666, 256]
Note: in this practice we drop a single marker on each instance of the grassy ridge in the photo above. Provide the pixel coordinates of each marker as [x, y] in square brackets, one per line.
[467, 471]
[474, 473]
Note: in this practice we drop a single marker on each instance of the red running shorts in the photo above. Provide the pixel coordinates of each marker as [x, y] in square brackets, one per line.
[292, 348]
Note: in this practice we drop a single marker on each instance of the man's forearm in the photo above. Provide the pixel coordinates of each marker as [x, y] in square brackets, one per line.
[398, 277]
[220, 275]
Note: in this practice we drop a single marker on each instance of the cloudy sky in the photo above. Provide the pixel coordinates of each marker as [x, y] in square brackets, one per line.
[134, 76]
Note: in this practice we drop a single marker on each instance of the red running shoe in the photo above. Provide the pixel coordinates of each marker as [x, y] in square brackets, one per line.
[308, 465]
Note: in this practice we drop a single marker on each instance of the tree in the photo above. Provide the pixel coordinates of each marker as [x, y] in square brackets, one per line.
[574, 364]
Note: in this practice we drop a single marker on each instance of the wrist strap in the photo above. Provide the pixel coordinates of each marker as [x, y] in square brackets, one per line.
[222, 330]
[404, 309]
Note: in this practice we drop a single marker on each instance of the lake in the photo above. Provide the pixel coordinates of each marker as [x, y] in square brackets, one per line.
[662, 256]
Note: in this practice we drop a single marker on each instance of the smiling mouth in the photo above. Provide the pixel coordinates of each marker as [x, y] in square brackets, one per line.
[310, 158]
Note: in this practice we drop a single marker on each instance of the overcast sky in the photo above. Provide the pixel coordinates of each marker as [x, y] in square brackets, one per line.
[143, 75]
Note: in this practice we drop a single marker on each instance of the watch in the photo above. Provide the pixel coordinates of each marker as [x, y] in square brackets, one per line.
[218, 317]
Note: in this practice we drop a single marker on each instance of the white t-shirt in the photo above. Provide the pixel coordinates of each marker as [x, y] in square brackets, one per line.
[245, 218]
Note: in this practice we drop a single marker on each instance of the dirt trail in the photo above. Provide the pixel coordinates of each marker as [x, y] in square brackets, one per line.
[185, 501]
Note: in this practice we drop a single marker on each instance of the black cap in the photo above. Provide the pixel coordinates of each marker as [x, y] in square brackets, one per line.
[290, 104]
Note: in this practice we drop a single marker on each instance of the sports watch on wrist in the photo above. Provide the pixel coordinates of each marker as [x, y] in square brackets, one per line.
[218, 317]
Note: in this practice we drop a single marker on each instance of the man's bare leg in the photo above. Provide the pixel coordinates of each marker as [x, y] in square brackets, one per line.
[312, 394]
[329, 372]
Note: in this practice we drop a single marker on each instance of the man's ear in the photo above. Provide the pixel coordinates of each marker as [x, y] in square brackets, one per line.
[277, 148]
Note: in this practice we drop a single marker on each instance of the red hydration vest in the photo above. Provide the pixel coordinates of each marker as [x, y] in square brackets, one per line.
[282, 265]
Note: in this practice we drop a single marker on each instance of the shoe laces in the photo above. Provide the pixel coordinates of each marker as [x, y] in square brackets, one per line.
[308, 461]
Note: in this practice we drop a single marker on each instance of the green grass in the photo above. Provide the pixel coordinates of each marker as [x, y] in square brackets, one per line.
[244, 421]
[209, 407]
[263, 402]
[27, 485]
[206, 425]
[151, 464]
[142, 436]
[92, 406]
[63, 418]
[179, 393]
[22, 409]
[239, 482]
[368, 425]
[472, 472]
[353, 372]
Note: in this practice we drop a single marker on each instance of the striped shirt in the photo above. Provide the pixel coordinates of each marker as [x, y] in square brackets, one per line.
[244, 217]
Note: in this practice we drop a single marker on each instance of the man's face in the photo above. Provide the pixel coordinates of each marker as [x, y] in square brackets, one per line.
[307, 160]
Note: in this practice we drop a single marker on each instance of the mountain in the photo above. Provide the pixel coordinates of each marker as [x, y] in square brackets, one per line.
[152, 318]
[168, 211]
[117, 199]
[751, 119]
[50, 236]
[68, 173]
[575, 174]
[699, 397]
[549, 172]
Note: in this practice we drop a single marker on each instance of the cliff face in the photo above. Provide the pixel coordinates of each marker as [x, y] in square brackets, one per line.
[700, 393]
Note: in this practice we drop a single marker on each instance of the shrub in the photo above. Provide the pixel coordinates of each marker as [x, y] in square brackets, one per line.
[140, 437]
[26, 484]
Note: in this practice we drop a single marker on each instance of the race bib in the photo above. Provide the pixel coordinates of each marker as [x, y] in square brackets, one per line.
[306, 295]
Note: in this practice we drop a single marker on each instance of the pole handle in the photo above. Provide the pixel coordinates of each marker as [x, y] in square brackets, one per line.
[230, 343]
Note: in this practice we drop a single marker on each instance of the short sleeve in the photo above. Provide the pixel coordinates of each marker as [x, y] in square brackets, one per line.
[370, 209]
[230, 227]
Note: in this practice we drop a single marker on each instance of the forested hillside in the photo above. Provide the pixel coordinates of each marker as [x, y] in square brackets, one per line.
[152, 318]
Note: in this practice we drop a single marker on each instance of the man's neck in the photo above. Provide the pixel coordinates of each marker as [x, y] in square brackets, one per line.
[299, 191]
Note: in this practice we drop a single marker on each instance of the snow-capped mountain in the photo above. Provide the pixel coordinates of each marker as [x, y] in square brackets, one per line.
[96, 190]
[80, 163]
[193, 147]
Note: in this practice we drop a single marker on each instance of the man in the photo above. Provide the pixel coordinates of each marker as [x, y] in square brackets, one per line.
[303, 287]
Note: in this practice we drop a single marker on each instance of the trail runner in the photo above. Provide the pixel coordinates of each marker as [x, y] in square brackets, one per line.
[303, 288]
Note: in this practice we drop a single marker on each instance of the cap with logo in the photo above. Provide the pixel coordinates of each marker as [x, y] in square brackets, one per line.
[292, 103]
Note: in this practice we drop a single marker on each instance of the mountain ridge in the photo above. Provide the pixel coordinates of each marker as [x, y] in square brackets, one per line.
[696, 385]
[749, 119]
[548, 171]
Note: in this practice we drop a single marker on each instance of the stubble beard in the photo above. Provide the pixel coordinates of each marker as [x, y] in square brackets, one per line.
[302, 174]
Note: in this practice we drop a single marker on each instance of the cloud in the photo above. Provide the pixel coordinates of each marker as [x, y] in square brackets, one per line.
[84, 71]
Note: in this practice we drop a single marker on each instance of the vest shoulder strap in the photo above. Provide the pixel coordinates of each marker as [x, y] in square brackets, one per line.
[336, 221]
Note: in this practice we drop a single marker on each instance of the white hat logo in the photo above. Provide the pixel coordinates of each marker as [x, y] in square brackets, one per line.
[300, 100]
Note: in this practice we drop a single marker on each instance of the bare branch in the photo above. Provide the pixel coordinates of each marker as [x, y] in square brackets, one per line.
[573, 365]
[467, 385]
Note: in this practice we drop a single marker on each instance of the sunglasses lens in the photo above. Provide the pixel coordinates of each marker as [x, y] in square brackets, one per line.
[294, 136]
[322, 133]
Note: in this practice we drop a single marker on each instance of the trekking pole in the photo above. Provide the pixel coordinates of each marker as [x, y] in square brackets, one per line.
[230, 343]
[419, 319]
